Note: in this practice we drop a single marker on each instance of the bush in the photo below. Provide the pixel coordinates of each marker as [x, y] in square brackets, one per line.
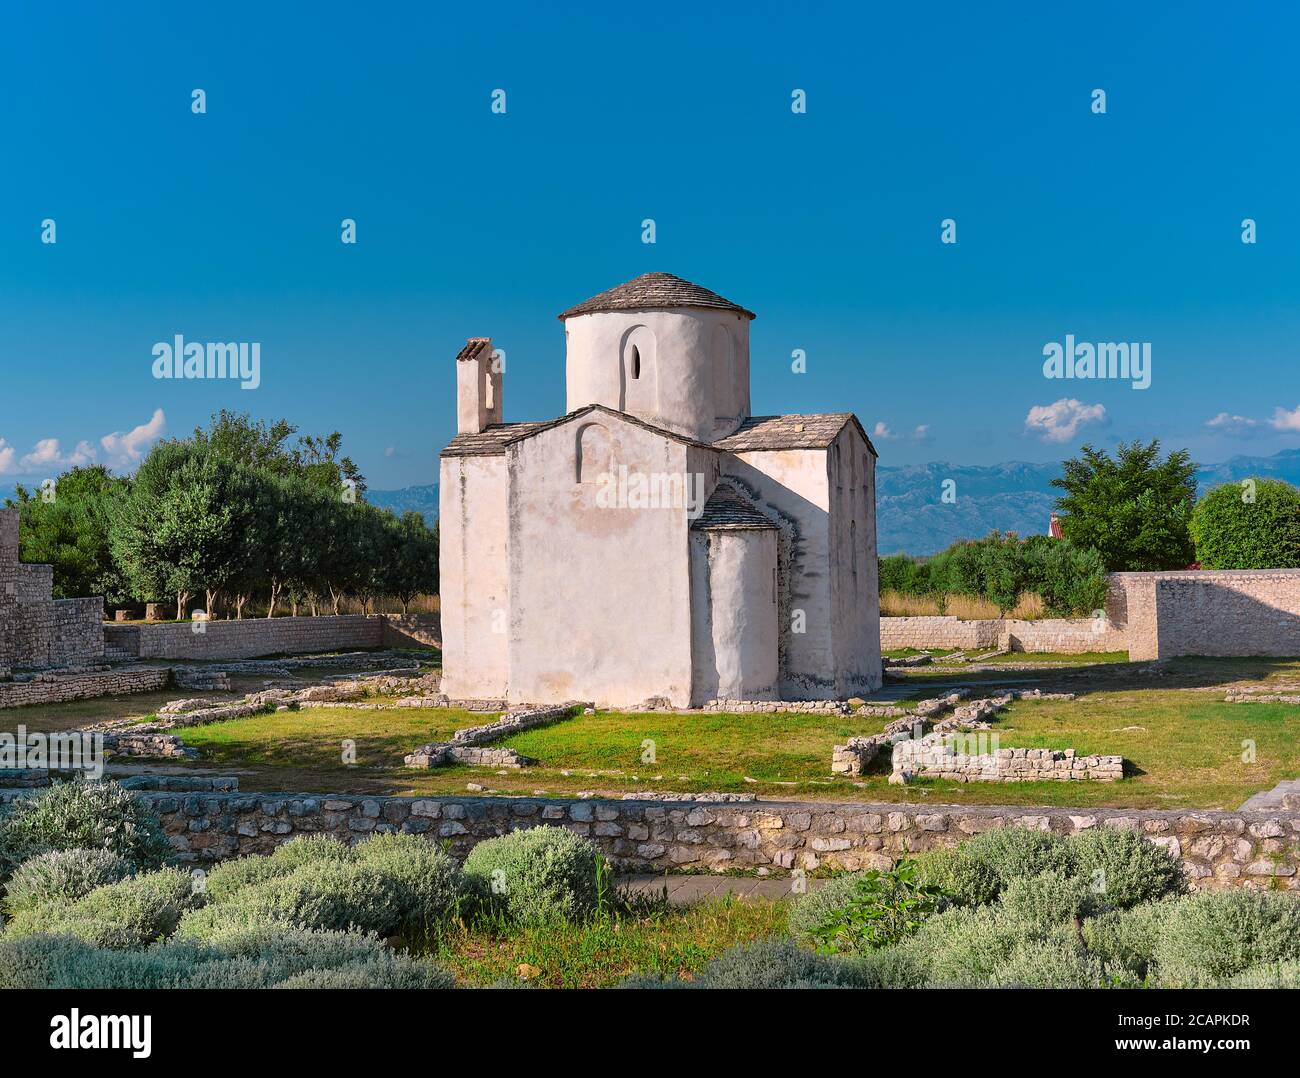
[227, 879]
[1008, 854]
[1125, 868]
[83, 815]
[538, 875]
[1273, 975]
[1125, 941]
[1211, 937]
[1232, 533]
[963, 879]
[62, 876]
[265, 958]
[991, 947]
[310, 850]
[427, 880]
[388, 971]
[867, 910]
[322, 894]
[1050, 898]
[230, 877]
[999, 569]
[812, 910]
[778, 963]
[119, 916]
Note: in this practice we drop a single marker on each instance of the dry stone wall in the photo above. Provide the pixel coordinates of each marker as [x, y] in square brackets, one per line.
[1217, 849]
[249, 638]
[60, 688]
[36, 631]
[938, 756]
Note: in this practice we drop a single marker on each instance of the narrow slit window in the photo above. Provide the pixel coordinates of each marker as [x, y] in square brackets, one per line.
[635, 363]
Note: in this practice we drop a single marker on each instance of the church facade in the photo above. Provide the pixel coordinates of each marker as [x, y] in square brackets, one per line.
[657, 541]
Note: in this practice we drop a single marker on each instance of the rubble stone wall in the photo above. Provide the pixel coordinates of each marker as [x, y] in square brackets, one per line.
[1217, 849]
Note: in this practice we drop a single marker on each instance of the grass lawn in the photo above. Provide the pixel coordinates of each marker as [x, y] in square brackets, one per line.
[310, 742]
[672, 944]
[1084, 658]
[1186, 748]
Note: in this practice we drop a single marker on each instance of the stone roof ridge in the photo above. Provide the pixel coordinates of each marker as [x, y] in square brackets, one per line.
[728, 509]
[654, 291]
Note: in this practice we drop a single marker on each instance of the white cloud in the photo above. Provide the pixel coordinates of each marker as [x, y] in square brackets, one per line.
[127, 450]
[882, 433]
[1237, 426]
[47, 456]
[1061, 420]
[121, 451]
[1284, 420]
[1244, 426]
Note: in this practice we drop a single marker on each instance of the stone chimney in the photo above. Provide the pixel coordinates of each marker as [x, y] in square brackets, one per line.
[478, 386]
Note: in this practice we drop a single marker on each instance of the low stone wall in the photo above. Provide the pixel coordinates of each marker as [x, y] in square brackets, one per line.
[1070, 636]
[250, 638]
[60, 688]
[412, 630]
[1065, 636]
[938, 632]
[937, 756]
[1217, 849]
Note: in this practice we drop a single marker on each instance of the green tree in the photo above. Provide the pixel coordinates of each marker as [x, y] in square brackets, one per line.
[188, 525]
[1251, 525]
[411, 558]
[68, 529]
[1134, 509]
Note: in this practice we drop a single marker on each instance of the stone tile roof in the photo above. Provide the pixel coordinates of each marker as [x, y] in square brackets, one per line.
[490, 441]
[727, 510]
[790, 432]
[655, 291]
[473, 347]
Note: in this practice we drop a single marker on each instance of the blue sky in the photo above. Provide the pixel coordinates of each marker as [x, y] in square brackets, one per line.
[226, 226]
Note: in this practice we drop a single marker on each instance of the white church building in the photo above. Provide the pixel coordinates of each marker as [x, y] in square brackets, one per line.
[657, 540]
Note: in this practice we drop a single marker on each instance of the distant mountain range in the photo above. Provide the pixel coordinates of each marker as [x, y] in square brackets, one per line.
[911, 518]
[423, 500]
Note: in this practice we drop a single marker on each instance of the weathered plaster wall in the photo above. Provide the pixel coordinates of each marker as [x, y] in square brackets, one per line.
[1217, 849]
[689, 381]
[474, 585]
[736, 624]
[854, 569]
[792, 488]
[600, 602]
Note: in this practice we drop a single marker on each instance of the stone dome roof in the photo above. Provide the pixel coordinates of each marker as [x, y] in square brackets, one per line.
[655, 291]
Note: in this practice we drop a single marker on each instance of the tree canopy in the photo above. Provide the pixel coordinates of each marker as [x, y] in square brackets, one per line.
[234, 512]
[1134, 509]
[1254, 524]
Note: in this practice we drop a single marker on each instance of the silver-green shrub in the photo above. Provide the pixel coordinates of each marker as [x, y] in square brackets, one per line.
[62, 876]
[1048, 898]
[538, 875]
[120, 916]
[427, 880]
[83, 815]
[322, 894]
[1123, 868]
[1211, 937]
